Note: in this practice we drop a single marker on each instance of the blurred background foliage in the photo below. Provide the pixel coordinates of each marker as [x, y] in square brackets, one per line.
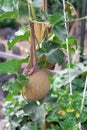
[53, 6]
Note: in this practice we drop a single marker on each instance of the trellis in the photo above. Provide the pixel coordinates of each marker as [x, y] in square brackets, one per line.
[69, 73]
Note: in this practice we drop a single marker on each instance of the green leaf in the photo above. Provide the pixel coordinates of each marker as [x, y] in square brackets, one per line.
[29, 126]
[28, 108]
[14, 87]
[54, 127]
[9, 97]
[61, 79]
[12, 42]
[52, 119]
[8, 86]
[10, 14]
[71, 65]
[52, 51]
[36, 112]
[72, 40]
[25, 1]
[55, 18]
[39, 114]
[57, 21]
[55, 55]
[67, 124]
[59, 31]
[22, 79]
[11, 66]
[8, 5]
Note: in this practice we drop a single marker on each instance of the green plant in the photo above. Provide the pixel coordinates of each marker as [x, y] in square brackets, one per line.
[58, 110]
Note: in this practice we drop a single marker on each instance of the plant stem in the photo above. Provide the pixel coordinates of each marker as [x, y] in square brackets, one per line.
[78, 19]
[33, 58]
[44, 8]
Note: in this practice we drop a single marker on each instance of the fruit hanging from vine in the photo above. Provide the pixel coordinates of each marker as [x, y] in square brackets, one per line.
[39, 83]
